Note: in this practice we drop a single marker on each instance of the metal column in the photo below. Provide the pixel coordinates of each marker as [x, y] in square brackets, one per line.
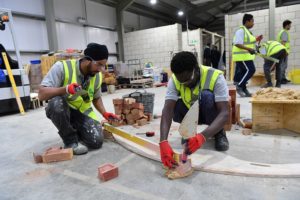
[50, 23]
[120, 25]
[272, 5]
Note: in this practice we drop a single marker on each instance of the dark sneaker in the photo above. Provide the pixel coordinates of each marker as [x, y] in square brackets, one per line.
[283, 81]
[278, 84]
[221, 141]
[78, 148]
[267, 85]
[240, 91]
[247, 93]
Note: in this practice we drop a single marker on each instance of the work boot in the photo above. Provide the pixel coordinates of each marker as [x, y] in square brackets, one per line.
[240, 91]
[221, 141]
[278, 84]
[247, 93]
[283, 81]
[78, 148]
[267, 85]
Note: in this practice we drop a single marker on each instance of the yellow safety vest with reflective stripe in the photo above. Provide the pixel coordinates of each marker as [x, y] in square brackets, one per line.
[287, 44]
[239, 54]
[83, 102]
[208, 78]
[272, 47]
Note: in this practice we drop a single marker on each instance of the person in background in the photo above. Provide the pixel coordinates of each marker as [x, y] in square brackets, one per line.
[284, 38]
[275, 50]
[72, 86]
[215, 56]
[207, 55]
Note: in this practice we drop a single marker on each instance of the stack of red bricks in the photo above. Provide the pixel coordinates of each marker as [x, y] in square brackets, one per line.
[130, 112]
[234, 109]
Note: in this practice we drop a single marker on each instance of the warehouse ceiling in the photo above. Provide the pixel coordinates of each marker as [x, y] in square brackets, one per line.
[208, 14]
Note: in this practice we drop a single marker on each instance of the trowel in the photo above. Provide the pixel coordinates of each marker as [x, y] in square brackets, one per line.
[188, 126]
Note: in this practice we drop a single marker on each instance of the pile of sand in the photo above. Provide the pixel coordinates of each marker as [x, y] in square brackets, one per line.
[277, 94]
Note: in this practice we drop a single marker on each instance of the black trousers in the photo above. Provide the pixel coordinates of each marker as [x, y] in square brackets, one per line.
[281, 55]
[207, 109]
[244, 70]
[72, 125]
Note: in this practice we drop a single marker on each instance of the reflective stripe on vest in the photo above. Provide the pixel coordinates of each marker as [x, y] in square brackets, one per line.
[287, 44]
[242, 54]
[208, 78]
[83, 102]
[272, 47]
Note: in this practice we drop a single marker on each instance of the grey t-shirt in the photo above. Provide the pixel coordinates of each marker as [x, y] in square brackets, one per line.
[55, 77]
[284, 37]
[220, 90]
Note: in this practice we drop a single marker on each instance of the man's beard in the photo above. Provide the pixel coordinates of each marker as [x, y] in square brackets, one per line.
[90, 72]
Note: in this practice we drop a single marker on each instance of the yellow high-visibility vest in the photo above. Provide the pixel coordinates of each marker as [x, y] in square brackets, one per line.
[208, 78]
[272, 47]
[287, 44]
[83, 104]
[242, 54]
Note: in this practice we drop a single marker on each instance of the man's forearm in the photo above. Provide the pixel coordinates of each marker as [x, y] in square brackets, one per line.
[165, 123]
[98, 103]
[242, 47]
[46, 93]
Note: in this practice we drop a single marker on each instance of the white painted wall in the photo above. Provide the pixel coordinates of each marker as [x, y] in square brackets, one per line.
[27, 6]
[154, 45]
[261, 24]
[194, 36]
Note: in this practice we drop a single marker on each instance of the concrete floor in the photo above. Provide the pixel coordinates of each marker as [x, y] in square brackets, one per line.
[139, 178]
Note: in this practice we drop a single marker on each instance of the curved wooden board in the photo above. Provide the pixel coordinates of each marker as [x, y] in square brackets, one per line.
[215, 162]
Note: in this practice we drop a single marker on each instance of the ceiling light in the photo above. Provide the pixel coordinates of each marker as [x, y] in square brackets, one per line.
[153, 2]
[180, 13]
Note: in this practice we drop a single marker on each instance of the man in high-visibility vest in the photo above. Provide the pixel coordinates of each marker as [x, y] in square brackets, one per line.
[276, 50]
[71, 87]
[243, 54]
[189, 83]
[284, 38]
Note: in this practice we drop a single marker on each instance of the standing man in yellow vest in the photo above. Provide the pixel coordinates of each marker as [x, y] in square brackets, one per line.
[284, 38]
[71, 87]
[243, 53]
[276, 50]
[188, 84]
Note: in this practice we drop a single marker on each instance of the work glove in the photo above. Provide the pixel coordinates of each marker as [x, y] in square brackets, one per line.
[166, 154]
[252, 51]
[259, 38]
[110, 116]
[194, 143]
[73, 88]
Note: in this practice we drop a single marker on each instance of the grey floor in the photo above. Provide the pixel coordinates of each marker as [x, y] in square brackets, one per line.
[139, 178]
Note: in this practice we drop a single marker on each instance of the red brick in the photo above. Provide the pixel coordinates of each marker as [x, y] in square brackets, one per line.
[126, 111]
[107, 172]
[127, 106]
[138, 106]
[117, 123]
[237, 113]
[117, 101]
[118, 109]
[228, 124]
[142, 122]
[57, 154]
[149, 116]
[137, 113]
[130, 122]
[129, 101]
[232, 93]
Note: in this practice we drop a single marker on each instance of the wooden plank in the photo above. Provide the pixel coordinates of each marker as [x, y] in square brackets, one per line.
[267, 116]
[254, 101]
[291, 117]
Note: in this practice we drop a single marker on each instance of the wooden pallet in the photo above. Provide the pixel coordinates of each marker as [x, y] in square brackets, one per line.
[141, 83]
[120, 86]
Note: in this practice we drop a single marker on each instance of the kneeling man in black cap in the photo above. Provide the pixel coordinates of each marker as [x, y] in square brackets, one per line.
[71, 86]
